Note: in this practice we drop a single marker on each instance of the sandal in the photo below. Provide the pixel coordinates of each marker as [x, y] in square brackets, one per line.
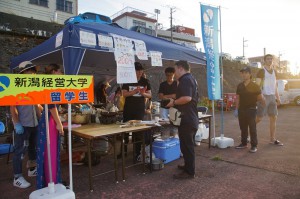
[277, 142]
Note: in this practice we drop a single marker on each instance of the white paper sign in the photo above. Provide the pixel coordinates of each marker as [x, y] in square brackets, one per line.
[124, 58]
[59, 38]
[140, 50]
[126, 75]
[105, 41]
[155, 58]
[122, 43]
[87, 38]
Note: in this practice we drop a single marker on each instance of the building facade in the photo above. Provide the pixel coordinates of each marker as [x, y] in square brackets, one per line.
[45, 10]
[130, 18]
[281, 66]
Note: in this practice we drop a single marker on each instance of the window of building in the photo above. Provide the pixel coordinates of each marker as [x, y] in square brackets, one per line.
[139, 23]
[65, 6]
[39, 2]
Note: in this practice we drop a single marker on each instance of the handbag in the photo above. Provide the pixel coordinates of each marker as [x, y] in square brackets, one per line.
[174, 116]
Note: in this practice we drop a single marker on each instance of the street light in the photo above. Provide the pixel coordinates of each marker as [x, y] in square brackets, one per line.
[157, 11]
[244, 41]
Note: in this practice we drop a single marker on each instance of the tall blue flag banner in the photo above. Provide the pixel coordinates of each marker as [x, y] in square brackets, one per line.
[209, 25]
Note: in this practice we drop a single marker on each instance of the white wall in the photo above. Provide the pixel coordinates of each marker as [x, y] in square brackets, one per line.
[25, 9]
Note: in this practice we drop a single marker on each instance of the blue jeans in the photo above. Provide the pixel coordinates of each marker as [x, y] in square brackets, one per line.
[23, 143]
[164, 113]
[247, 121]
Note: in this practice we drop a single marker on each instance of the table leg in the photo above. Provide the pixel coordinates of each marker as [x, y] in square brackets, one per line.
[115, 159]
[143, 151]
[123, 158]
[90, 164]
[151, 138]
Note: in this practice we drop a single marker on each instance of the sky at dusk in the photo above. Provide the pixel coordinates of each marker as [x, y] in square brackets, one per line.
[269, 24]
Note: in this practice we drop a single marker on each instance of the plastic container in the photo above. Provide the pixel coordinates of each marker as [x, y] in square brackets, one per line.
[167, 150]
[155, 108]
[5, 147]
[57, 191]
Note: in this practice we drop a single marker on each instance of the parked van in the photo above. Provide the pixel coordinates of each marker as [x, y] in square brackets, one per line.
[289, 91]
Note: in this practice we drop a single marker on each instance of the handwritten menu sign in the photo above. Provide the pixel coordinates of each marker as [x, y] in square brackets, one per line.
[87, 38]
[105, 41]
[59, 38]
[155, 58]
[140, 49]
[122, 43]
[126, 75]
[124, 58]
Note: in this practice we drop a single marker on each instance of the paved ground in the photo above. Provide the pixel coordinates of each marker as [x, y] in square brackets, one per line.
[272, 172]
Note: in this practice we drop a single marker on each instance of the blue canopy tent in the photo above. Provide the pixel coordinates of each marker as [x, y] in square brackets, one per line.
[85, 59]
[76, 57]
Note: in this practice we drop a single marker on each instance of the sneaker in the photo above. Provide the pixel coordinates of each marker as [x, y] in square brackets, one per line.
[277, 142]
[32, 173]
[253, 149]
[21, 183]
[241, 146]
[183, 176]
[181, 167]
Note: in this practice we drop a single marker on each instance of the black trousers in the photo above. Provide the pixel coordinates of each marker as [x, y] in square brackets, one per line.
[247, 121]
[186, 136]
[136, 113]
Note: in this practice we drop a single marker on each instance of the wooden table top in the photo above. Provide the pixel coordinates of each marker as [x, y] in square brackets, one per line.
[92, 131]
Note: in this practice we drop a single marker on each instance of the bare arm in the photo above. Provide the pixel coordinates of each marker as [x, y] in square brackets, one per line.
[162, 96]
[14, 114]
[258, 81]
[261, 99]
[147, 94]
[127, 93]
[56, 118]
[277, 95]
[180, 101]
[38, 110]
[237, 102]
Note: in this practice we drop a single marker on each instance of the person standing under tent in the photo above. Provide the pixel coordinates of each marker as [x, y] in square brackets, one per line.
[135, 94]
[186, 102]
[248, 93]
[55, 128]
[266, 79]
[167, 90]
[25, 119]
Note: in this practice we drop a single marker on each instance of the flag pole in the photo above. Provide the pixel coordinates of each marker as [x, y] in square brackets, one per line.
[222, 76]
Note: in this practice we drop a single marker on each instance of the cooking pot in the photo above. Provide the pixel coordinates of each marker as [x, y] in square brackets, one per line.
[157, 164]
[79, 118]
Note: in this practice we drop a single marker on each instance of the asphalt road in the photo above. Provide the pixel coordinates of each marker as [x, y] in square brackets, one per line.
[272, 172]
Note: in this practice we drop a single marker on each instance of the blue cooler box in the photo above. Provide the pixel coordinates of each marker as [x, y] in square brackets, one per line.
[166, 150]
[5, 147]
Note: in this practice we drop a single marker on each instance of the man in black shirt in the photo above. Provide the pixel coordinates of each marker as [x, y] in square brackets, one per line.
[167, 90]
[186, 102]
[135, 94]
[248, 93]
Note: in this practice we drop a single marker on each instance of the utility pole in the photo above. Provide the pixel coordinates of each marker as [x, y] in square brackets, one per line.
[157, 11]
[280, 54]
[244, 41]
[172, 10]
